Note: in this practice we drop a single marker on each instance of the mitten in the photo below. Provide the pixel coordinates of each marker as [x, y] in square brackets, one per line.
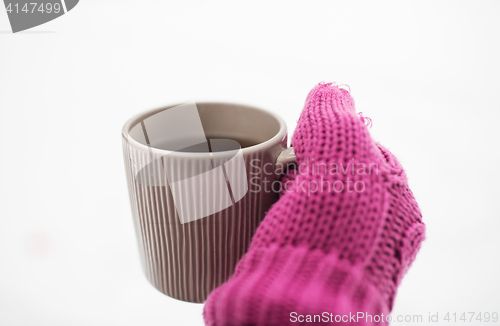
[337, 243]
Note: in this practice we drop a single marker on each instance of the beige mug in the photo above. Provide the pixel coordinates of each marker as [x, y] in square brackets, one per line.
[201, 177]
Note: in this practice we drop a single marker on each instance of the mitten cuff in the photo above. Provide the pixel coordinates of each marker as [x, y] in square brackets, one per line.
[278, 285]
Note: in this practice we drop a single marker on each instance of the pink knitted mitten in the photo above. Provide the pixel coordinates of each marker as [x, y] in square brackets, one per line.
[336, 245]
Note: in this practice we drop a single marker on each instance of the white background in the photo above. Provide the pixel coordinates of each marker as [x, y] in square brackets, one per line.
[426, 72]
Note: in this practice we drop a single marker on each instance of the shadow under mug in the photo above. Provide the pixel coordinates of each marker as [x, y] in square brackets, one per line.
[191, 235]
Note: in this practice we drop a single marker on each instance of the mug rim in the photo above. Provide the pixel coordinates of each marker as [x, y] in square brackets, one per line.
[276, 139]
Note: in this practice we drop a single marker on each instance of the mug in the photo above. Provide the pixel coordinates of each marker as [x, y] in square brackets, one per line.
[201, 177]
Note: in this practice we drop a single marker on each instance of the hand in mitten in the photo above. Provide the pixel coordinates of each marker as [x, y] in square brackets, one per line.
[340, 238]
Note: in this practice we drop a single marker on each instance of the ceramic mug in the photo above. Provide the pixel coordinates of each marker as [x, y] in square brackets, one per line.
[201, 177]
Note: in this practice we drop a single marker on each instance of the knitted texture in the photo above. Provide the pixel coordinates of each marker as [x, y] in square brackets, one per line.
[340, 238]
